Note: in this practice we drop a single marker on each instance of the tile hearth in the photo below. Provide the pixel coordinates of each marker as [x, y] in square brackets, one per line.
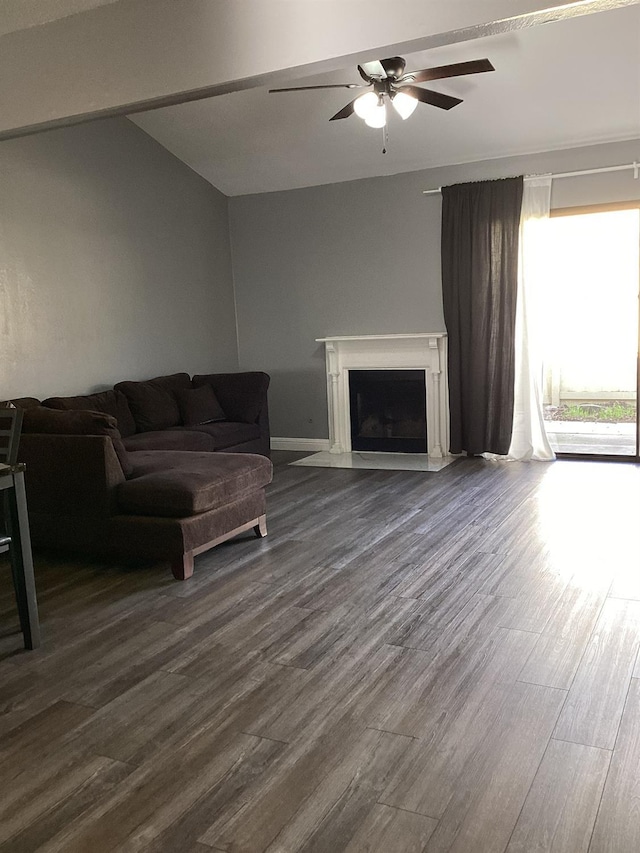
[377, 461]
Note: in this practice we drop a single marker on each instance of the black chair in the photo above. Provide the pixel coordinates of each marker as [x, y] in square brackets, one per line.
[5, 543]
[10, 428]
[14, 525]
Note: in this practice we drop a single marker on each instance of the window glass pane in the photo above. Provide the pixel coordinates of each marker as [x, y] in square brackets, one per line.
[591, 332]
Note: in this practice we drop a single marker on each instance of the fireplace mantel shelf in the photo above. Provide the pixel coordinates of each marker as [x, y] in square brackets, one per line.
[380, 337]
[423, 351]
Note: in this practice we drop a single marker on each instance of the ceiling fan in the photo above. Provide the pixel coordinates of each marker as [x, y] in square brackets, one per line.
[387, 79]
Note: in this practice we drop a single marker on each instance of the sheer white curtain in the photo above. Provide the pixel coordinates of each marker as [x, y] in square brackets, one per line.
[529, 439]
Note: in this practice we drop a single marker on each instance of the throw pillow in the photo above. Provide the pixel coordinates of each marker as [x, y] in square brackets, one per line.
[199, 406]
[242, 395]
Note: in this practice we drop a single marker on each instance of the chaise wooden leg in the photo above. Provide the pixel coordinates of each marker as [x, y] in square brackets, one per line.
[182, 567]
[261, 527]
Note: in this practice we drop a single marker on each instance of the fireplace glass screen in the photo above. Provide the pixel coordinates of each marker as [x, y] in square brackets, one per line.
[388, 410]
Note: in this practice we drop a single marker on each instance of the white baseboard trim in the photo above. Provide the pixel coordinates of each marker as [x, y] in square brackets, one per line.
[313, 445]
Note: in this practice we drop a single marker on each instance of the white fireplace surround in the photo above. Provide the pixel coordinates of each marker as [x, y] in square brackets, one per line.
[425, 351]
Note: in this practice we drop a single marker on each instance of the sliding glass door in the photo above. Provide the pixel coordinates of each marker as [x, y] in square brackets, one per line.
[591, 332]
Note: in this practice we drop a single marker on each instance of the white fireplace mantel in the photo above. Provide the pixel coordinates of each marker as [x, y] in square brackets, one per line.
[425, 351]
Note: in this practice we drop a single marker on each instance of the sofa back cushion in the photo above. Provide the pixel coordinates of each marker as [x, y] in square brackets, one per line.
[24, 402]
[40, 419]
[153, 403]
[112, 403]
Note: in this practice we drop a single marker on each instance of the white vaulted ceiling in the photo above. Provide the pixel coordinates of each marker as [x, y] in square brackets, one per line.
[557, 85]
[566, 75]
[21, 14]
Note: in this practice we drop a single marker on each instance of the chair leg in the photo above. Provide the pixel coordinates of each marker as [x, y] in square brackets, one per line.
[182, 567]
[261, 527]
[22, 563]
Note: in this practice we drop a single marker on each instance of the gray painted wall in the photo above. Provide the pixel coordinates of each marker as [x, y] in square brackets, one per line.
[114, 263]
[363, 258]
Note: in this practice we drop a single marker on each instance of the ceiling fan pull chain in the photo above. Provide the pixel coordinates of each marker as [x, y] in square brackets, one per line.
[385, 138]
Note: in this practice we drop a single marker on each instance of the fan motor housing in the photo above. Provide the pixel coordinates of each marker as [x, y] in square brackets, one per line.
[394, 67]
[383, 87]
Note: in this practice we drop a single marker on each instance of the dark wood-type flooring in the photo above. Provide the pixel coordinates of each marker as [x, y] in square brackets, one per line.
[409, 662]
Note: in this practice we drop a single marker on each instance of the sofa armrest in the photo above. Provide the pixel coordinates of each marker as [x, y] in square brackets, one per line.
[71, 475]
[243, 396]
[265, 430]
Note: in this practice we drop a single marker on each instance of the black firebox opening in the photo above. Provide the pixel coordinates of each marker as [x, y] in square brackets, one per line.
[388, 410]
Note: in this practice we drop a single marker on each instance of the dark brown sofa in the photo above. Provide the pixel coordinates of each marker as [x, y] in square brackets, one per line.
[97, 483]
[151, 414]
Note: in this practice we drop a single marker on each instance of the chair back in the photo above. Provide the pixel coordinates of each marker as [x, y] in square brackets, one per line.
[10, 427]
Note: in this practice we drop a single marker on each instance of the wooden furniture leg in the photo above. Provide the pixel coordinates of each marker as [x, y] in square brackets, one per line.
[182, 567]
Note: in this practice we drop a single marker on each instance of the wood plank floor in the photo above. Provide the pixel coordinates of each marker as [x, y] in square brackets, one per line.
[408, 663]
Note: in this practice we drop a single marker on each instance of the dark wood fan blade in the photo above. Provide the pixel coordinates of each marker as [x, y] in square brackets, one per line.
[345, 112]
[475, 66]
[328, 86]
[427, 96]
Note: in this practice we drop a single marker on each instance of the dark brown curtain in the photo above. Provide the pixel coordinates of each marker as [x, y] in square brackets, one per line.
[480, 224]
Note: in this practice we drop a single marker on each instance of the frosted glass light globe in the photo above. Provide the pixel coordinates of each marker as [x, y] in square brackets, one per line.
[365, 104]
[377, 117]
[404, 104]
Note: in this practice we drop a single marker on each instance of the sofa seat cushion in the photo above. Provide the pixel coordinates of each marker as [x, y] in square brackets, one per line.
[226, 434]
[113, 403]
[153, 403]
[178, 438]
[180, 484]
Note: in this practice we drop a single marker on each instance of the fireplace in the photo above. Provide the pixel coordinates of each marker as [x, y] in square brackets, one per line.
[423, 354]
[388, 410]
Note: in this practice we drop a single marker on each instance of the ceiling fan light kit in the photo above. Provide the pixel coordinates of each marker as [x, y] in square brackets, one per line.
[388, 80]
[372, 108]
